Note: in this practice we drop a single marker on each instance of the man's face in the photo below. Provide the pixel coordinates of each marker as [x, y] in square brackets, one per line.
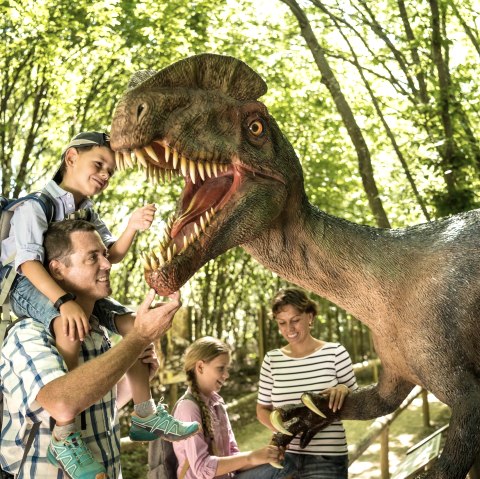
[88, 274]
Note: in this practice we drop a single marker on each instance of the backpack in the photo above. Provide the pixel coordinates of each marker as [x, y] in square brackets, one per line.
[7, 207]
[162, 461]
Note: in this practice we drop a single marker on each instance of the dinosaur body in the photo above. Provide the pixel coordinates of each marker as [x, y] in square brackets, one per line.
[416, 288]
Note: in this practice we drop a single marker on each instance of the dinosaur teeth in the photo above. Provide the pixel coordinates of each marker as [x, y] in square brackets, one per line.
[208, 169]
[215, 169]
[167, 153]
[127, 159]
[151, 153]
[183, 165]
[201, 170]
[192, 169]
[175, 159]
[141, 157]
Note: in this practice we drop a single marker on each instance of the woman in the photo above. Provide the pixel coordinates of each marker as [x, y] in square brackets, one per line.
[306, 364]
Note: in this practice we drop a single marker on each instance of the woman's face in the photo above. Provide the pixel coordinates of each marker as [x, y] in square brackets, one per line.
[294, 325]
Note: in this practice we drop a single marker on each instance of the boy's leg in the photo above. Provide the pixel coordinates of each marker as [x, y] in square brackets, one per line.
[149, 422]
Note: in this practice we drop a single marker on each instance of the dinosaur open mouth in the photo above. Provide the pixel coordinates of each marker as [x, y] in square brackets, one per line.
[209, 184]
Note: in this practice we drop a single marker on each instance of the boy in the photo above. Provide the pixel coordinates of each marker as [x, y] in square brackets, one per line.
[87, 165]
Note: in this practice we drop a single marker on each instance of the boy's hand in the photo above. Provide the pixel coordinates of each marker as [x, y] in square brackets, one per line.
[142, 218]
[149, 356]
[75, 323]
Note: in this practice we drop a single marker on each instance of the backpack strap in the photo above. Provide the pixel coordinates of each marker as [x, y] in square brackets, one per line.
[48, 207]
[28, 445]
[211, 447]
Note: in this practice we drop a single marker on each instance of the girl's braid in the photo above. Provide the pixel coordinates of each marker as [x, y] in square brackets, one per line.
[204, 410]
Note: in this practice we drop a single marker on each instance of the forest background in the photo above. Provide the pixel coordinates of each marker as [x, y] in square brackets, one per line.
[379, 99]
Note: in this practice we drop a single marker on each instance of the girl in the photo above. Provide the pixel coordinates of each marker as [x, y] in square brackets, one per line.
[214, 451]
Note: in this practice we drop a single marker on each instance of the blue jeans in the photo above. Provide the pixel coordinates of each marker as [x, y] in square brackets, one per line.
[265, 471]
[308, 466]
[27, 302]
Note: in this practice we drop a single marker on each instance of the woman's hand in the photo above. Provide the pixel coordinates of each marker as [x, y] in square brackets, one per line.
[336, 396]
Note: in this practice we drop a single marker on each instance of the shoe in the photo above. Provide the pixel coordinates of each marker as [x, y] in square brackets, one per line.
[161, 424]
[74, 458]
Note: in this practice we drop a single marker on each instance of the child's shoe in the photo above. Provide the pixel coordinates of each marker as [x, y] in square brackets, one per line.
[161, 424]
[74, 458]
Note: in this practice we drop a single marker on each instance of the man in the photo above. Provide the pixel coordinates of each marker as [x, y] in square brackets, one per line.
[35, 382]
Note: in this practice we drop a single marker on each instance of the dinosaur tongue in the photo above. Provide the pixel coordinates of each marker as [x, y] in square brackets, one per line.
[208, 195]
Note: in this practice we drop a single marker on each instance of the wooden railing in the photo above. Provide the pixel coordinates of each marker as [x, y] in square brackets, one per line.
[380, 427]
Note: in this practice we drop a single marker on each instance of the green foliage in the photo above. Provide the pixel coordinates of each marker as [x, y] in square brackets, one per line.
[63, 66]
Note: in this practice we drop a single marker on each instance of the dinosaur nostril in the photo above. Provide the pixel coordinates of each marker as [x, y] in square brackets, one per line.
[141, 109]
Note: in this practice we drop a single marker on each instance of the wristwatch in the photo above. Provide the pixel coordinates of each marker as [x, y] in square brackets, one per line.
[63, 299]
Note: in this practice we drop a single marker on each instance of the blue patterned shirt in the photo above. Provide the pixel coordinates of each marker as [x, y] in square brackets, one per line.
[28, 226]
[29, 360]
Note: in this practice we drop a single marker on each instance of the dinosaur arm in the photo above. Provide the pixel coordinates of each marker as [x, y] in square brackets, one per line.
[377, 400]
[365, 403]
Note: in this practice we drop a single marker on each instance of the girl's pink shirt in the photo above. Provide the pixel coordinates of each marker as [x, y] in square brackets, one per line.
[195, 448]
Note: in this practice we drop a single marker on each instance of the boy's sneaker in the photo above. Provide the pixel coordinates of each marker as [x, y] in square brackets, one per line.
[161, 424]
[74, 458]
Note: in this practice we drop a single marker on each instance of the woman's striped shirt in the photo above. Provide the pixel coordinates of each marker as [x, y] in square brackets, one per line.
[284, 379]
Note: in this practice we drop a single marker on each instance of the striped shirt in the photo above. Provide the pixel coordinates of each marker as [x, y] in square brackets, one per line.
[29, 360]
[284, 379]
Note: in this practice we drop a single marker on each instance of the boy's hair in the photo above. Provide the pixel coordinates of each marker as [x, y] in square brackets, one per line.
[203, 349]
[58, 239]
[84, 141]
[293, 297]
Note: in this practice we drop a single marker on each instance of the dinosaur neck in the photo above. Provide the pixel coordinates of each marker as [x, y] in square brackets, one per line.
[334, 258]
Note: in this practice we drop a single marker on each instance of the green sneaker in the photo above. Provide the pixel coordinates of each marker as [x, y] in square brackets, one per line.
[161, 424]
[74, 458]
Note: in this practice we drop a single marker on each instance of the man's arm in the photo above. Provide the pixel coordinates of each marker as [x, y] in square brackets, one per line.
[95, 378]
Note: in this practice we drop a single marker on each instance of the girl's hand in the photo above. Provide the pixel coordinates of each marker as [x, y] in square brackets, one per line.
[336, 396]
[75, 323]
[264, 455]
[142, 218]
[149, 356]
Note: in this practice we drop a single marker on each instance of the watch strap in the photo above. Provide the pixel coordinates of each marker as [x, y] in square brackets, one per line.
[63, 299]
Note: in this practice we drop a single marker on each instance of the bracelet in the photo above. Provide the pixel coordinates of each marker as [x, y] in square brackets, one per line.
[63, 299]
[346, 387]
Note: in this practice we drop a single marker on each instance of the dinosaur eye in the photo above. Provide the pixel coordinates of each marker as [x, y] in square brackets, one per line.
[257, 127]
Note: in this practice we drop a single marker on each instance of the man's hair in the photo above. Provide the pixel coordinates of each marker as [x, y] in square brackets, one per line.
[58, 239]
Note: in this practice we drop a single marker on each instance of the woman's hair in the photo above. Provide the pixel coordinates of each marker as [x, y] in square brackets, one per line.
[204, 349]
[293, 297]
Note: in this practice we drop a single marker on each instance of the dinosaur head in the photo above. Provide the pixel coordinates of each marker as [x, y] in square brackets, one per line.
[200, 118]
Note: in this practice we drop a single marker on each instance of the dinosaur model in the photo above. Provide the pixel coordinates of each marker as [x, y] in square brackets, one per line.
[417, 289]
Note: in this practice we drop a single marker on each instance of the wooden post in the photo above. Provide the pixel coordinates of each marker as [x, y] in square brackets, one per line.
[261, 334]
[384, 467]
[425, 408]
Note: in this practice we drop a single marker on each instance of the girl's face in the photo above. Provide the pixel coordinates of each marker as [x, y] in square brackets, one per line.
[88, 172]
[211, 376]
[294, 325]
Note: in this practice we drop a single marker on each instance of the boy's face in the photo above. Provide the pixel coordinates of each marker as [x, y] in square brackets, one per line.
[88, 172]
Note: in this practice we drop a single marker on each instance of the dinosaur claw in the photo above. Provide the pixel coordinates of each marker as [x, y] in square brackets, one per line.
[276, 464]
[277, 423]
[307, 400]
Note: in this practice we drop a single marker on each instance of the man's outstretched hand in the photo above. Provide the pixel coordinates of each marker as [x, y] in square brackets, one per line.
[153, 322]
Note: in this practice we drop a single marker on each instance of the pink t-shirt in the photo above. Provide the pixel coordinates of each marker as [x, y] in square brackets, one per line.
[202, 464]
